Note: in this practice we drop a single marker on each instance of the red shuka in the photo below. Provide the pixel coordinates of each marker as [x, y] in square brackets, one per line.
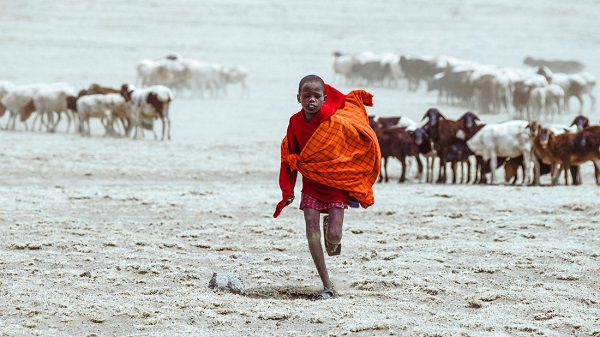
[300, 130]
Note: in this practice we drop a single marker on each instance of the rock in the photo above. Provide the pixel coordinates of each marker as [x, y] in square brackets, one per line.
[226, 282]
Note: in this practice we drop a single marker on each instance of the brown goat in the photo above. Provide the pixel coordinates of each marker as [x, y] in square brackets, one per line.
[575, 149]
[445, 132]
[402, 145]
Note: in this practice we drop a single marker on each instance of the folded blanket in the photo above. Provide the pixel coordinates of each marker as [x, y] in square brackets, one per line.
[342, 153]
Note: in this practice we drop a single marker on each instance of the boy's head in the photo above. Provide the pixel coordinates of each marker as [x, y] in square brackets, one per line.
[311, 94]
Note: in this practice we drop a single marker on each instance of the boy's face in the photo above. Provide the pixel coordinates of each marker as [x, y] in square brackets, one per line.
[311, 97]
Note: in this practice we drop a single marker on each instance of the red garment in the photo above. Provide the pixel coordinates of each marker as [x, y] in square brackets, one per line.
[343, 152]
[300, 130]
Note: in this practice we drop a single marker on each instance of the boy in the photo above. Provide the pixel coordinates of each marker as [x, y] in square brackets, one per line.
[338, 164]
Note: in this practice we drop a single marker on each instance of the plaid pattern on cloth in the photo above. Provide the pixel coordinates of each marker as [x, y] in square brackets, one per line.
[308, 201]
[343, 152]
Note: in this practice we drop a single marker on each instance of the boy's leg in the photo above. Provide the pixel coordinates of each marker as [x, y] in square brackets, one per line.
[335, 221]
[313, 235]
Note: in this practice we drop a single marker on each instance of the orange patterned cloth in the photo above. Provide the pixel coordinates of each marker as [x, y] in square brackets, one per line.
[342, 153]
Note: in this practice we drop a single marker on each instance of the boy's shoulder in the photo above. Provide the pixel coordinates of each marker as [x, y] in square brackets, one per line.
[297, 117]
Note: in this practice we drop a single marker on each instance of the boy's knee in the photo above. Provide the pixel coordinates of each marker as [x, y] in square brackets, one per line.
[313, 235]
[334, 236]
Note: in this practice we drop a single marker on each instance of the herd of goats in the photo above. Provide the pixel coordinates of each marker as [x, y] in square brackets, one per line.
[122, 111]
[537, 92]
[540, 90]
[525, 144]
[534, 148]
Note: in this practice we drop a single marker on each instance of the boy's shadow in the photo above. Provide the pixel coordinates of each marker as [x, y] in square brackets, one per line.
[281, 292]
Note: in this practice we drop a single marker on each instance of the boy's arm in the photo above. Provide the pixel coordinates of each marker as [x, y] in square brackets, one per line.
[287, 176]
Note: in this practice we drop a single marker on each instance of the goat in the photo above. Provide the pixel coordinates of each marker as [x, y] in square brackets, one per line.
[19, 101]
[580, 122]
[539, 136]
[573, 149]
[426, 149]
[53, 99]
[402, 145]
[458, 154]
[119, 113]
[103, 107]
[508, 139]
[151, 102]
[5, 88]
[575, 85]
[444, 132]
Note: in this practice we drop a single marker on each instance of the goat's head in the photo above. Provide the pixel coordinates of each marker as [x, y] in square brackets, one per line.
[126, 90]
[434, 116]
[544, 136]
[581, 122]
[534, 127]
[421, 136]
[469, 119]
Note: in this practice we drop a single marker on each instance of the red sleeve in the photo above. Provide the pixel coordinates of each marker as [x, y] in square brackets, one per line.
[287, 176]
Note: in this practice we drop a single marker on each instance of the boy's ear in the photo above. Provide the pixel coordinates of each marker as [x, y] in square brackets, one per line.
[324, 98]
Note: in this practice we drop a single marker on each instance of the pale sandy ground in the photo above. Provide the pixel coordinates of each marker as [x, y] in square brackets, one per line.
[151, 221]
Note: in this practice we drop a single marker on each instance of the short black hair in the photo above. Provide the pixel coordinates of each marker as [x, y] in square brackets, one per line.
[311, 78]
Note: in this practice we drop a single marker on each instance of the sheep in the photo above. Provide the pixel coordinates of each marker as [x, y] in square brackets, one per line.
[508, 139]
[151, 102]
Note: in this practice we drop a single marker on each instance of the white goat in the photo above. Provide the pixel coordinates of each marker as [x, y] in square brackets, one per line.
[149, 103]
[508, 139]
[5, 88]
[236, 74]
[96, 106]
[19, 101]
[52, 99]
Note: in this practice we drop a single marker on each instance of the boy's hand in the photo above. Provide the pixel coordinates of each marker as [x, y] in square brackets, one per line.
[289, 200]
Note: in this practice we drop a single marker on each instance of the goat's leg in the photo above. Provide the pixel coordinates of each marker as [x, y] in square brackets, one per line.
[575, 176]
[162, 120]
[454, 166]
[493, 165]
[566, 169]
[556, 173]
[385, 162]
[468, 180]
[403, 175]
[169, 128]
[442, 170]
[420, 167]
[597, 171]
